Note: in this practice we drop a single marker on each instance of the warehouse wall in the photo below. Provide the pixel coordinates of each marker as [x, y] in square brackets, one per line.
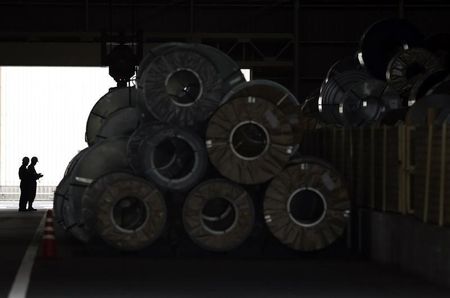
[43, 113]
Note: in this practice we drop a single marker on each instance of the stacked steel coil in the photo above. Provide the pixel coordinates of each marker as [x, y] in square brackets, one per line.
[194, 129]
[396, 91]
[393, 68]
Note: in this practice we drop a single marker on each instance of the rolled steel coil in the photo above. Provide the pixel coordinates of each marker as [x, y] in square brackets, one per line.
[278, 95]
[441, 88]
[365, 102]
[439, 45]
[61, 191]
[426, 84]
[121, 123]
[407, 67]
[171, 157]
[150, 56]
[306, 206]
[249, 140]
[113, 115]
[382, 41]
[332, 95]
[126, 211]
[218, 215]
[349, 63]
[185, 84]
[104, 157]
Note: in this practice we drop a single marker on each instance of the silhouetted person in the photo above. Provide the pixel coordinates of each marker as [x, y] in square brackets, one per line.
[24, 184]
[33, 177]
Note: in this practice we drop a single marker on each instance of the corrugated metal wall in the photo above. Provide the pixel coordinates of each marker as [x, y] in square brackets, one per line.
[43, 113]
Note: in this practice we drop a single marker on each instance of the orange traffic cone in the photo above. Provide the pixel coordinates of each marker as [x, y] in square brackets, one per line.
[48, 241]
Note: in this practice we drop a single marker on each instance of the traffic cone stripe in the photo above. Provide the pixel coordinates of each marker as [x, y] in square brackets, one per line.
[48, 240]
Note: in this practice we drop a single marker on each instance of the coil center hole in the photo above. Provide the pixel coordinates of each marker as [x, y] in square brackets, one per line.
[129, 213]
[306, 207]
[249, 140]
[218, 215]
[174, 158]
[184, 87]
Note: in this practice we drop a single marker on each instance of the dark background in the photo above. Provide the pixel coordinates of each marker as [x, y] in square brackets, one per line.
[293, 42]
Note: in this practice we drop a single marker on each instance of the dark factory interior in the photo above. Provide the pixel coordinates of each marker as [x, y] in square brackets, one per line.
[229, 148]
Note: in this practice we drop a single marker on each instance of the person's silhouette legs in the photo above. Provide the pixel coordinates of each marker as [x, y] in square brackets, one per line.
[24, 184]
[32, 185]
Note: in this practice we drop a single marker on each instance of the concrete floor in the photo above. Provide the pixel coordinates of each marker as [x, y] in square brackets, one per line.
[14, 204]
[84, 272]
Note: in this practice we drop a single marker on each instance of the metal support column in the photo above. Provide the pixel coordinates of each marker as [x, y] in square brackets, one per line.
[296, 47]
[86, 15]
[191, 18]
[401, 9]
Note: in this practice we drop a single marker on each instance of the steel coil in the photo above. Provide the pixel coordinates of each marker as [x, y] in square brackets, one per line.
[306, 207]
[332, 95]
[185, 84]
[382, 41]
[365, 102]
[113, 115]
[439, 45]
[426, 84]
[149, 57]
[126, 211]
[249, 140]
[407, 67]
[61, 192]
[278, 95]
[104, 157]
[218, 215]
[171, 157]
[441, 88]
